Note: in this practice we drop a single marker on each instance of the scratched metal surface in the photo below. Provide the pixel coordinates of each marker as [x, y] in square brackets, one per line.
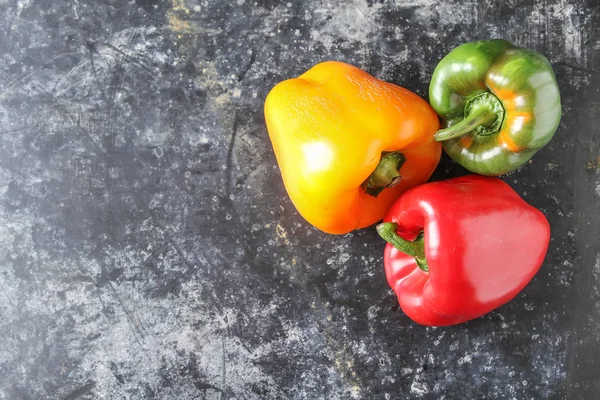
[148, 249]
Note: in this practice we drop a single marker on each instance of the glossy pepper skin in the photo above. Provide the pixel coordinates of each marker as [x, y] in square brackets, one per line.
[500, 104]
[481, 244]
[329, 129]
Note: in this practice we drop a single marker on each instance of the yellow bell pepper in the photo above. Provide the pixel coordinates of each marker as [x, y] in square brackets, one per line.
[348, 144]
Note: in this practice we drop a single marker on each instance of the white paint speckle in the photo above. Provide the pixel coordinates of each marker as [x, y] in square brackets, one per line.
[596, 270]
[418, 387]
[465, 359]
[158, 152]
[356, 23]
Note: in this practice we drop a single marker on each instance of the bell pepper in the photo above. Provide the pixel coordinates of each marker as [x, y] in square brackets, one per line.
[500, 103]
[457, 249]
[348, 144]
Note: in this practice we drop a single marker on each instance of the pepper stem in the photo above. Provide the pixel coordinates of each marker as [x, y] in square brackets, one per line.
[387, 230]
[479, 117]
[386, 173]
[483, 116]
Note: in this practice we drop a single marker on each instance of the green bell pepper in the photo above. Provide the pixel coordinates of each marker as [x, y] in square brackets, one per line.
[500, 105]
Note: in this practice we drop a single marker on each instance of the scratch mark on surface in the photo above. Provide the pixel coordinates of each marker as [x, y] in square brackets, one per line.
[72, 71]
[224, 364]
[92, 50]
[22, 79]
[229, 164]
[129, 319]
[360, 14]
[140, 323]
[181, 254]
[76, 5]
[129, 57]
[247, 68]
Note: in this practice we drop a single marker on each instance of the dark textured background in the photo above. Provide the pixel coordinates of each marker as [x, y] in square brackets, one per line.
[147, 246]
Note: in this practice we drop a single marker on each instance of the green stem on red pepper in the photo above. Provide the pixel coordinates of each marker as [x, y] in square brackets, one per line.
[416, 248]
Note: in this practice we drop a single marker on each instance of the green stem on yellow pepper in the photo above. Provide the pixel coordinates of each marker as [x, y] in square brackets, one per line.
[386, 173]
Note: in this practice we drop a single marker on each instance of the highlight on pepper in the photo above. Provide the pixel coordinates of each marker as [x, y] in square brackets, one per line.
[348, 144]
[500, 105]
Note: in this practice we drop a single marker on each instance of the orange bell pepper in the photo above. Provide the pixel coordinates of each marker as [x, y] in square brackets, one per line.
[348, 144]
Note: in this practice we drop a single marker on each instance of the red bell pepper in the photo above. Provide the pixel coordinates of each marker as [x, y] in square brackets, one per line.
[460, 248]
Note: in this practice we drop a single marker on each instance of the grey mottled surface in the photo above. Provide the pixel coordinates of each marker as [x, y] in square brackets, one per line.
[148, 249]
